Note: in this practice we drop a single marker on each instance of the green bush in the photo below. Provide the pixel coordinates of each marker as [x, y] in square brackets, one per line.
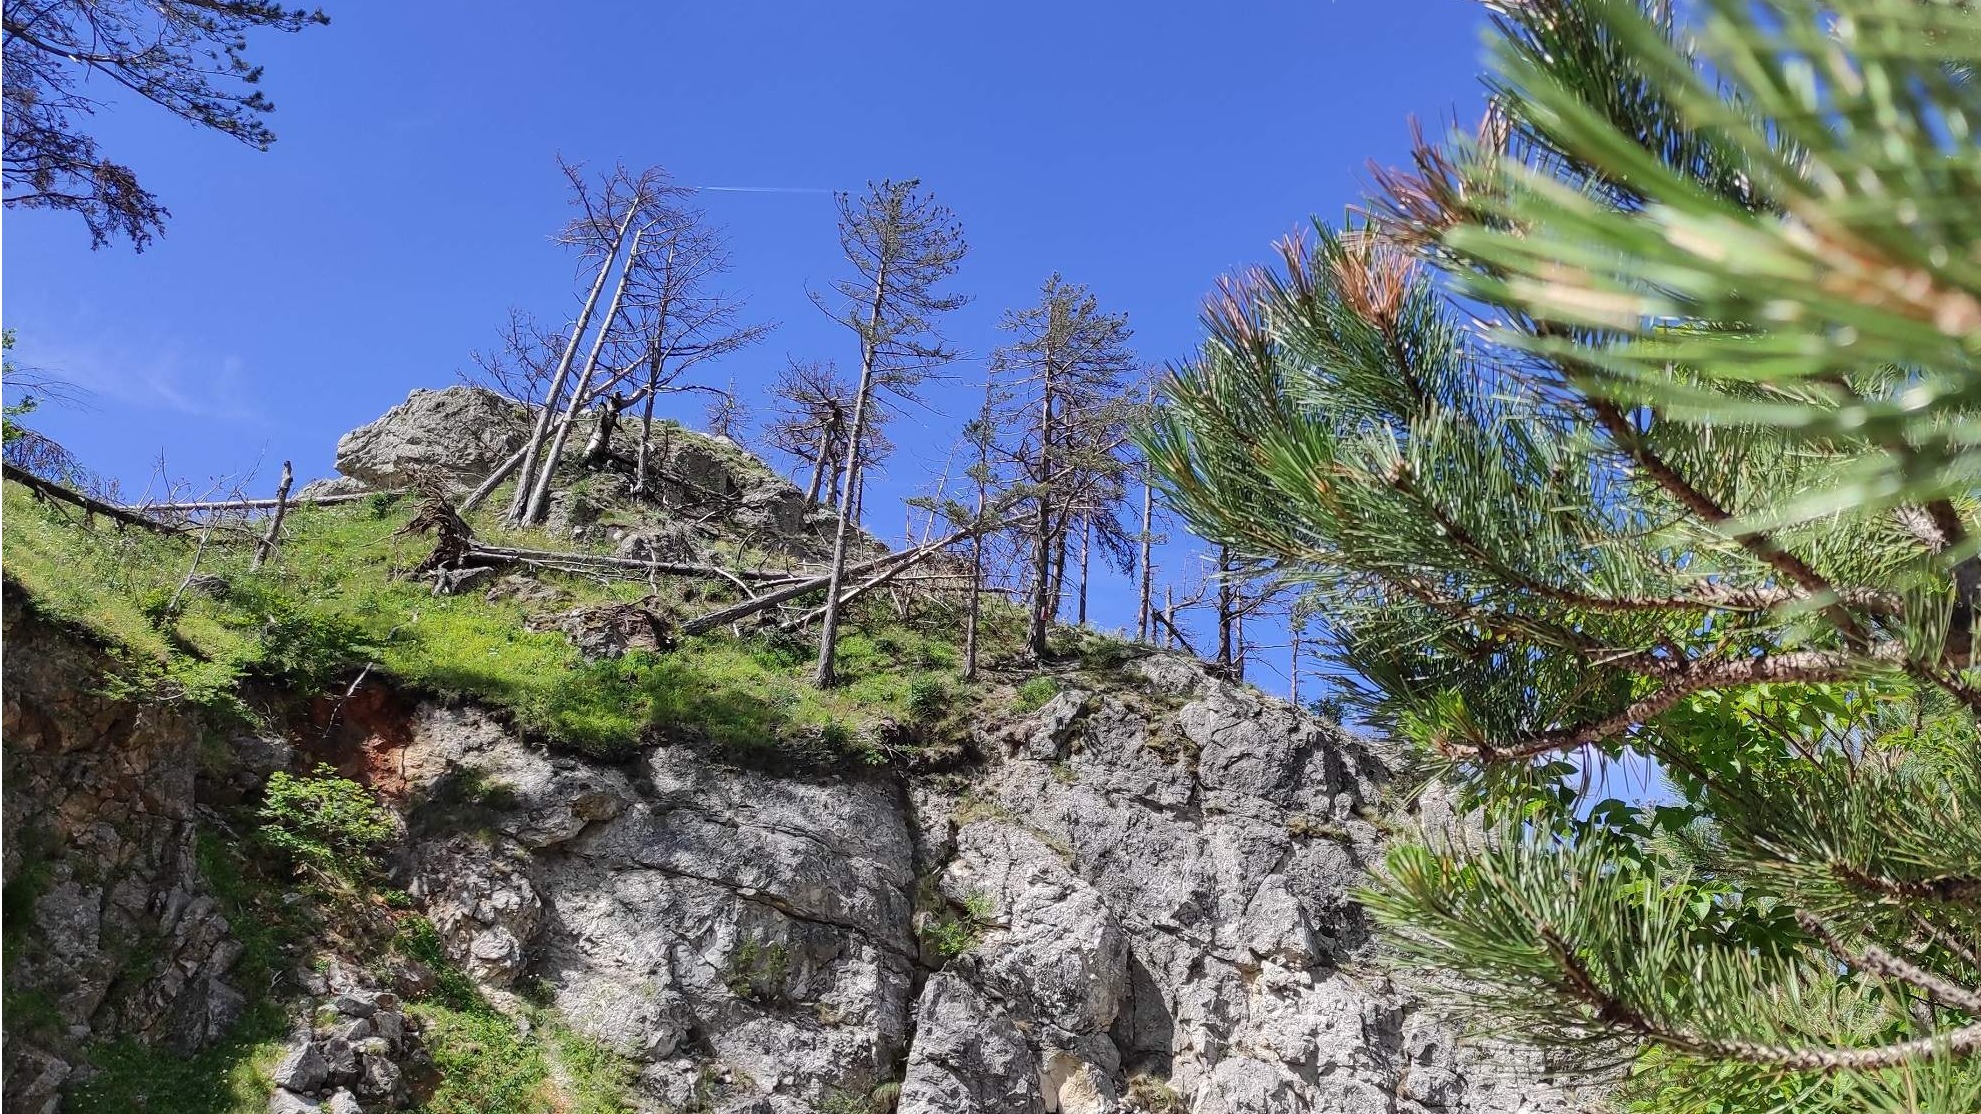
[928, 697]
[325, 823]
[1033, 694]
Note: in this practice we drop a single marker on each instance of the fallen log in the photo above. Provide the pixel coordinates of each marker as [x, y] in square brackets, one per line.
[635, 564]
[110, 511]
[256, 504]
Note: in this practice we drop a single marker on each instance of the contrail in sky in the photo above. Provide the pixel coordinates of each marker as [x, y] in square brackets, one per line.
[760, 189]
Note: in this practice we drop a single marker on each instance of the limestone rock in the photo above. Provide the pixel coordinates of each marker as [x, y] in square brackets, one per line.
[968, 1056]
[100, 818]
[455, 437]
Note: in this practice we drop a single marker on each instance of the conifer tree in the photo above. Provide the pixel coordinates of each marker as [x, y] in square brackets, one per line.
[185, 56]
[1703, 492]
[1063, 383]
[901, 244]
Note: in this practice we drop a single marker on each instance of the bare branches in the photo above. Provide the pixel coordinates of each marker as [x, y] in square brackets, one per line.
[182, 55]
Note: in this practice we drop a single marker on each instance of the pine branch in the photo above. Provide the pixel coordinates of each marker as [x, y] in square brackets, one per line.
[1616, 1013]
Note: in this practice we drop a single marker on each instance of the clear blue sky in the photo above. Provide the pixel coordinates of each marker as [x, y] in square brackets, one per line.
[1141, 148]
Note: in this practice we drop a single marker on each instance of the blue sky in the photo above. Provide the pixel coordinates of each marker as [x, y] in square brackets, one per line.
[1141, 149]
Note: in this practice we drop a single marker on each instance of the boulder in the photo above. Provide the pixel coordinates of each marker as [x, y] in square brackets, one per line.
[454, 437]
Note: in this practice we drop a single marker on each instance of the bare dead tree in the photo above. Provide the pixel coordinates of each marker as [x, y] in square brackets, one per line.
[608, 211]
[678, 317]
[539, 485]
[812, 423]
[522, 363]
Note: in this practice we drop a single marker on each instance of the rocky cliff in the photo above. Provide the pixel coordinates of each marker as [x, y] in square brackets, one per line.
[1134, 896]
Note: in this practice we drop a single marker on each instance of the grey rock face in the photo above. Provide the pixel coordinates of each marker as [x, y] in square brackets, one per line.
[123, 937]
[968, 1057]
[455, 437]
[755, 923]
[1153, 879]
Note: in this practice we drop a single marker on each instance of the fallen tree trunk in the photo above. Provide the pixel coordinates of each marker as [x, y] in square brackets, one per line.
[599, 560]
[255, 504]
[919, 555]
[53, 490]
[714, 619]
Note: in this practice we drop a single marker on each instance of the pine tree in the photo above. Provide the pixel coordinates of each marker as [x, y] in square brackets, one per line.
[1703, 492]
[901, 245]
[1064, 383]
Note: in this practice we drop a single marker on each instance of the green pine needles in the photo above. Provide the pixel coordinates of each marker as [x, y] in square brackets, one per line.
[1642, 428]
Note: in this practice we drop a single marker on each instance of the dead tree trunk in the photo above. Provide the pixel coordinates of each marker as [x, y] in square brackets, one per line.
[547, 466]
[542, 427]
[1086, 543]
[267, 545]
[1226, 611]
[1143, 627]
[1043, 605]
[823, 676]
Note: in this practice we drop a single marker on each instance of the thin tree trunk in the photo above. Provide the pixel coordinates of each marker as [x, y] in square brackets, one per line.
[1086, 543]
[1042, 603]
[267, 545]
[976, 594]
[1238, 646]
[1224, 611]
[1169, 610]
[547, 466]
[656, 364]
[823, 676]
[542, 427]
[1293, 670]
[493, 481]
[646, 442]
[818, 466]
[1143, 623]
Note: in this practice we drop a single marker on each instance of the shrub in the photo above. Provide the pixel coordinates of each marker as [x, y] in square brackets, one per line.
[1033, 694]
[927, 697]
[324, 823]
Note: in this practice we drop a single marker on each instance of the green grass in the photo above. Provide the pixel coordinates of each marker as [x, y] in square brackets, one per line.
[483, 1061]
[334, 600]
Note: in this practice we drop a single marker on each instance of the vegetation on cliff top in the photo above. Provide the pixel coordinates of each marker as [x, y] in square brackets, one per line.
[337, 602]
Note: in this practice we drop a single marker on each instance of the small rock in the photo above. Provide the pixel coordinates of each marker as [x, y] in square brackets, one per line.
[209, 584]
[343, 1102]
[340, 1060]
[354, 1030]
[289, 1102]
[303, 1069]
[390, 1025]
[381, 1078]
[356, 1003]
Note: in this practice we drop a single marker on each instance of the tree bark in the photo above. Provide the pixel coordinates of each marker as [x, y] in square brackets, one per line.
[547, 466]
[1042, 603]
[1225, 616]
[1086, 543]
[542, 427]
[267, 545]
[656, 365]
[826, 435]
[823, 676]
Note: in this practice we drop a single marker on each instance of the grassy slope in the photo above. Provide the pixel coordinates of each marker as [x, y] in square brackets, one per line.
[334, 600]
